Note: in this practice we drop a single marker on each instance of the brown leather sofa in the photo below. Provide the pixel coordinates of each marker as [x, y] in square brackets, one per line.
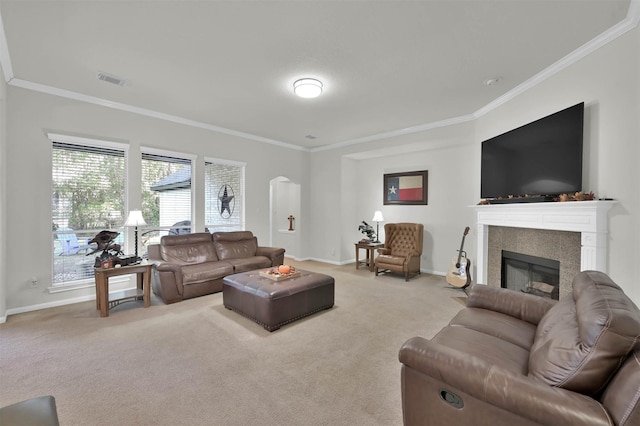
[511, 358]
[193, 265]
[402, 249]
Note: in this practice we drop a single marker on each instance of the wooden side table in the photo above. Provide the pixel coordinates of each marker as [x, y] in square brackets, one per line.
[370, 251]
[143, 289]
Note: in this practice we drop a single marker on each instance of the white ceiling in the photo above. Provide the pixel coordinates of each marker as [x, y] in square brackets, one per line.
[388, 67]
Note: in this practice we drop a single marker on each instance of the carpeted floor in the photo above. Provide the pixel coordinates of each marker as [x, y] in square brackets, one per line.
[196, 363]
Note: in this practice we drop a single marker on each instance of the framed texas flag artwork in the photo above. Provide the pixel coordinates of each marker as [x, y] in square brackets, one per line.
[406, 188]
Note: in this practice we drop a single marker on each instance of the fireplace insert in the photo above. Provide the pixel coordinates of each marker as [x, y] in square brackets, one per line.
[530, 274]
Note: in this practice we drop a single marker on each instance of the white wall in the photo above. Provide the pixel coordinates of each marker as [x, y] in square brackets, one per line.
[452, 186]
[28, 171]
[343, 186]
[607, 80]
[3, 191]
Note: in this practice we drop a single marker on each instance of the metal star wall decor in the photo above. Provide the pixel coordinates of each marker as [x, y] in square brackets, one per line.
[226, 201]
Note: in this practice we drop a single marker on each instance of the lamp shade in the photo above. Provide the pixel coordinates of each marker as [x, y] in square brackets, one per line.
[135, 219]
[377, 216]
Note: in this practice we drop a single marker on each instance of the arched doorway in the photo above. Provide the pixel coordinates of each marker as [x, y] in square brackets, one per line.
[284, 200]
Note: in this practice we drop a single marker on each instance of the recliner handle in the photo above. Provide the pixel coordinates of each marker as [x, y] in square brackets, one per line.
[451, 398]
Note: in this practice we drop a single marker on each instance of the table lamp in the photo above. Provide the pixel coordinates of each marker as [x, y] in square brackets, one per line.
[377, 218]
[135, 219]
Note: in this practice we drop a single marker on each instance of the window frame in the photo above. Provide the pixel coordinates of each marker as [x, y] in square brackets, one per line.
[243, 166]
[191, 159]
[100, 144]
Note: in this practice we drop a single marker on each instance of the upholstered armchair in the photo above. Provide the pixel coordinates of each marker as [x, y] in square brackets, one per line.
[402, 249]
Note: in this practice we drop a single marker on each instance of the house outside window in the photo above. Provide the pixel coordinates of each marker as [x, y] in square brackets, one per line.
[224, 195]
[166, 196]
[88, 195]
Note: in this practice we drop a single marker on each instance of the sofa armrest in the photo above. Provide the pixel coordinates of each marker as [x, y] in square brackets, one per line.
[504, 389]
[276, 254]
[413, 255]
[166, 281]
[384, 250]
[169, 267]
[526, 307]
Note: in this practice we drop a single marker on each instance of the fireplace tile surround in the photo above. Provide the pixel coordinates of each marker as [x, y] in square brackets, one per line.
[575, 233]
[563, 246]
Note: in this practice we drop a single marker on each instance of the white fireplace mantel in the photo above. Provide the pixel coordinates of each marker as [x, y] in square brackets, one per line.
[590, 218]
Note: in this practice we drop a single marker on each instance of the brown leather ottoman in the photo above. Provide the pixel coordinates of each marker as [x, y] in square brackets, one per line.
[275, 303]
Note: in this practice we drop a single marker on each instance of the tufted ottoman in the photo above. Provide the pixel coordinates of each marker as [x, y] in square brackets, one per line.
[275, 303]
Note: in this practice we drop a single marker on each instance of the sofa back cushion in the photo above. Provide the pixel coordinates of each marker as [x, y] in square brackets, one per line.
[582, 340]
[235, 245]
[188, 249]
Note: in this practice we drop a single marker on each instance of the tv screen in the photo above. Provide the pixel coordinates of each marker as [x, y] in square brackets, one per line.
[542, 158]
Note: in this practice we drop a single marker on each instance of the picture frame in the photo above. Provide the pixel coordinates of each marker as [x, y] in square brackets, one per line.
[406, 188]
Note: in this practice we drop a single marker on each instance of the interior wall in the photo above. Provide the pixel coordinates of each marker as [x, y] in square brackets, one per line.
[607, 81]
[342, 186]
[452, 187]
[28, 205]
[3, 192]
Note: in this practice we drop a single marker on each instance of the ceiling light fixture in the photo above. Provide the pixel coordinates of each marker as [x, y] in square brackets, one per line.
[307, 87]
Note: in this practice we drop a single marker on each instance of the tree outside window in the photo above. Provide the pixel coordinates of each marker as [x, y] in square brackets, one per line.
[88, 187]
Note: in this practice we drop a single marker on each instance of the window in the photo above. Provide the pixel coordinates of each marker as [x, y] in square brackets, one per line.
[88, 195]
[224, 195]
[166, 196]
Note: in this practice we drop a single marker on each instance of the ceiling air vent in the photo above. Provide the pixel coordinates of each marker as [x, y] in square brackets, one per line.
[110, 78]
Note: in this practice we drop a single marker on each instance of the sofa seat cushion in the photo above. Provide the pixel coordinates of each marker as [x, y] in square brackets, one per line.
[249, 263]
[208, 271]
[504, 327]
[582, 340]
[484, 346]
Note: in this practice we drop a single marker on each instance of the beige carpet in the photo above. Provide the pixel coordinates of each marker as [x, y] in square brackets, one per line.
[196, 363]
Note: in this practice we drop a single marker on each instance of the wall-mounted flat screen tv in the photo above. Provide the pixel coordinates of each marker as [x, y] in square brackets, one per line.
[542, 158]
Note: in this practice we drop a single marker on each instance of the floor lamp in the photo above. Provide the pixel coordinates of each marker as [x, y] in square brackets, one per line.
[377, 218]
[135, 219]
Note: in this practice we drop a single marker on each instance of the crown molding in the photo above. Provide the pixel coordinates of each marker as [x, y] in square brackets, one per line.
[400, 132]
[42, 88]
[5, 58]
[630, 22]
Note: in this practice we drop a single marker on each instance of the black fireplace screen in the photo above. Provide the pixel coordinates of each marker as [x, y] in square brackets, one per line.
[530, 274]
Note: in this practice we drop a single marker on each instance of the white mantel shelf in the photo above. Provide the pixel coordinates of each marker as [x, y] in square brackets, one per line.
[590, 218]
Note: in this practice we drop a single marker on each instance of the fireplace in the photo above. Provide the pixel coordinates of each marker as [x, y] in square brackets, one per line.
[530, 274]
[584, 223]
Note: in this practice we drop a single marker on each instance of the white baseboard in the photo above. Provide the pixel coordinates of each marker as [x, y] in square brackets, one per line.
[53, 304]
